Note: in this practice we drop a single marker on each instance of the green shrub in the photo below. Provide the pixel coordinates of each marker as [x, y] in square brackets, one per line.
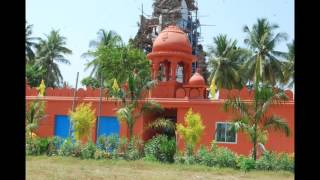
[54, 145]
[43, 144]
[267, 161]
[88, 150]
[108, 143]
[272, 161]
[112, 143]
[189, 159]
[151, 148]
[179, 158]
[150, 158]
[285, 162]
[37, 146]
[225, 158]
[245, 163]
[167, 149]
[68, 148]
[122, 149]
[101, 154]
[222, 157]
[184, 159]
[135, 149]
[101, 141]
[217, 156]
[161, 148]
[205, 157]
[213, 146]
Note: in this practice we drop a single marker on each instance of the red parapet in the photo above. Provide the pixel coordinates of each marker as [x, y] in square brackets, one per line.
[33, 91]
[66, 92]
[28, 91]
[245, 94]
[225, 93]
[289, 93]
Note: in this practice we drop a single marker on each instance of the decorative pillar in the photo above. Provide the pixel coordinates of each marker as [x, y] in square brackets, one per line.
[173, 70]
[188, 72]
[155, 67]
[185, 73]
[167, 70]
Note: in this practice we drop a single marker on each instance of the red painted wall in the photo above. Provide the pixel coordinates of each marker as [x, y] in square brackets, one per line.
[59, 102]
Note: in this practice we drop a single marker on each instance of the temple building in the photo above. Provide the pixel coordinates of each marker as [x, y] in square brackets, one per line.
[177, 91]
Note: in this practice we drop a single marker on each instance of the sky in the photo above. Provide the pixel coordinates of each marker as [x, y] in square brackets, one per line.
[80, 20]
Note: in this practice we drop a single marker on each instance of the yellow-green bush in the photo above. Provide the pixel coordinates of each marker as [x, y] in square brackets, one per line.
[83, 120]
[191, 133]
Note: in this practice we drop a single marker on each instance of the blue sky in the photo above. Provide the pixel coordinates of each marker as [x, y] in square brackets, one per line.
[80, 20]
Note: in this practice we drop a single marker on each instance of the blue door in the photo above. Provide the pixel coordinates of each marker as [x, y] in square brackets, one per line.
[108, 126]
[62, 124]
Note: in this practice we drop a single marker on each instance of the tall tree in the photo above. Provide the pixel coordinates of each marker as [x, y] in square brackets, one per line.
[126, 58]
[289, 66]
[202, 63]
[30, 44]
[225, 61]
[51, 51]
[264, 65]
[252, 118]
[90, 82]
[106, 39]
[34, 74]
[129, 67]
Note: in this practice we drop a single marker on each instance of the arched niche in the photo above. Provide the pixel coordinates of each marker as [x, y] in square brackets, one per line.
[180, 72]
[163, 71]
[180, 93]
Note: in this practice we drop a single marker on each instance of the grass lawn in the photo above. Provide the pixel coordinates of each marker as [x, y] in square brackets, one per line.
[43, 167]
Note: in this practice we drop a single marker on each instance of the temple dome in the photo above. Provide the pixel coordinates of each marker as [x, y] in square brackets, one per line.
[170, 39]
[197, 79]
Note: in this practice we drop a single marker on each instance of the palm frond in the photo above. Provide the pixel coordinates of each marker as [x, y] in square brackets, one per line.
[152, 106]
[237, 105]
[240, 124]
[162, 124]
[125, 114]
[277, 123]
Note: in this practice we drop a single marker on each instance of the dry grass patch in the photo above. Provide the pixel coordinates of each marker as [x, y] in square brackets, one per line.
[43, 167]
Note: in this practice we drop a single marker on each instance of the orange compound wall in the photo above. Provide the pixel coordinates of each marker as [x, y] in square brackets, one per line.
[212, 112]
[59, 102]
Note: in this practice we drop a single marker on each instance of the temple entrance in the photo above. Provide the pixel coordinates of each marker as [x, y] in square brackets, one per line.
[163, 123]
[170, 114]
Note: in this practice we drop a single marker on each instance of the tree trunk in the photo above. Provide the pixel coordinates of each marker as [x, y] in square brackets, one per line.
[254, 154]
[130, 133]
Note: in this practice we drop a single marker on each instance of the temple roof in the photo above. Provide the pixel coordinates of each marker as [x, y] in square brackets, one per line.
[172, 41]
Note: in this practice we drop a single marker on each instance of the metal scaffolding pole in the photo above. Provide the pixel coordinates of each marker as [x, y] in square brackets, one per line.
[73, 102]
[100, 104]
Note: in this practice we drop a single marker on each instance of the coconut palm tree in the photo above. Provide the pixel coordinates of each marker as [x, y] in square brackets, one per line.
[51, 51]
[137, 86]
[252, 118]
[264, 65]
[30, 44]
[225, 61]
[289, 66]
[106, 39]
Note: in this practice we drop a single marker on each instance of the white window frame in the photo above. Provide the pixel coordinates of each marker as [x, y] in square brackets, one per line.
[223, 142]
